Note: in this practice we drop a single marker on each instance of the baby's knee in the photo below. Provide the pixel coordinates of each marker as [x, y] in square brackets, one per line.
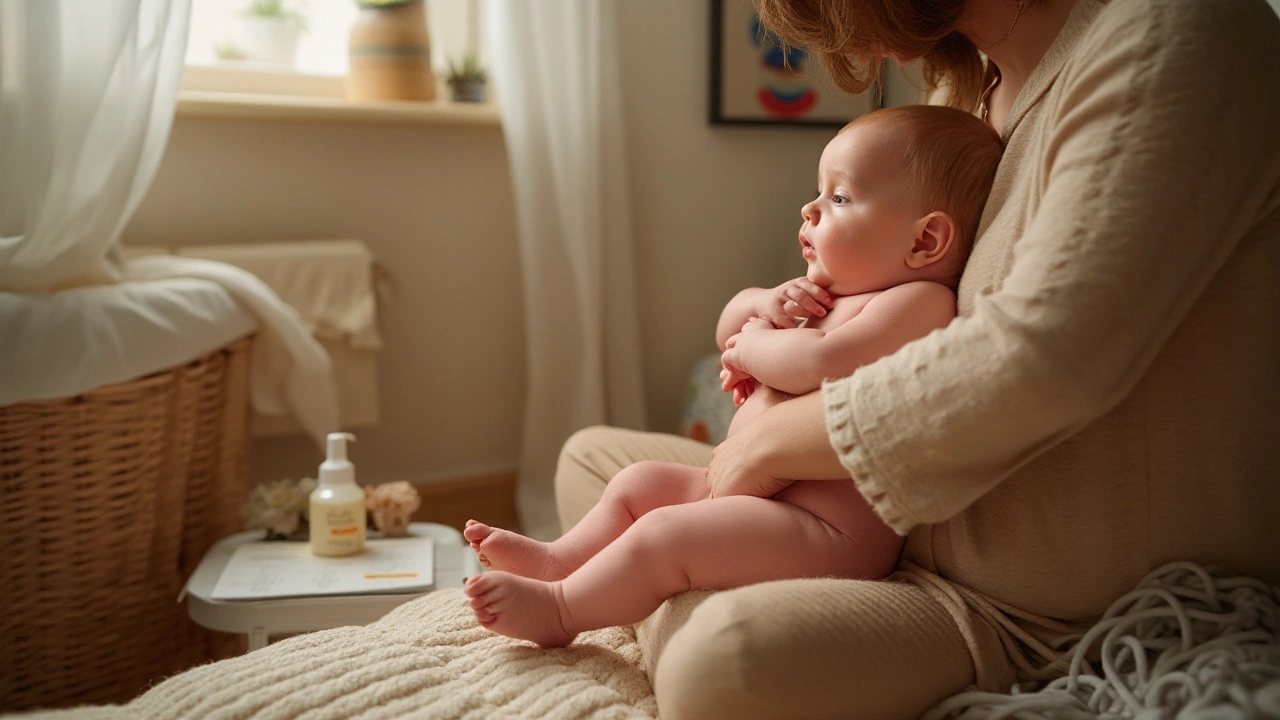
[657, 536]
[637, 476]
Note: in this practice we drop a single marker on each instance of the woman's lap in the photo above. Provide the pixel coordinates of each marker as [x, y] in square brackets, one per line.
[813, 649]
[797, 648]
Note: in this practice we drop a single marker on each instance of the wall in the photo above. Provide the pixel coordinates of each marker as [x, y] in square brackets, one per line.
[434, 204]
[715, 209]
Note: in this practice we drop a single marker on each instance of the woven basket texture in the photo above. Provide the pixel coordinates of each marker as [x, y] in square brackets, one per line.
[110, 499]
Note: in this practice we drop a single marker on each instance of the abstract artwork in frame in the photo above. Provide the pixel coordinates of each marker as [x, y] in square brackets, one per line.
[754, 81]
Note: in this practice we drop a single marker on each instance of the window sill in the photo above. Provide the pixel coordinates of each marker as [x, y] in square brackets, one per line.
[253, 106]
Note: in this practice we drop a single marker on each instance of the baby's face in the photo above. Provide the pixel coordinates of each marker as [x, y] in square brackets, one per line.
[858, 231]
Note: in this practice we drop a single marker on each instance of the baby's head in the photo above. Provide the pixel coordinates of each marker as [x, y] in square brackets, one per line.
[900, 193]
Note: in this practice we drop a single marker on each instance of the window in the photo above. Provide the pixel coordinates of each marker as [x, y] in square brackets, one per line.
[224, 52]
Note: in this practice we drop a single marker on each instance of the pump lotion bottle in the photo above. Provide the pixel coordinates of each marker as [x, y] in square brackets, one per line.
[337, 516]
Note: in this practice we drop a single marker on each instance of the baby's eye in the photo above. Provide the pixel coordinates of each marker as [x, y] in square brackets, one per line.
[839, 199]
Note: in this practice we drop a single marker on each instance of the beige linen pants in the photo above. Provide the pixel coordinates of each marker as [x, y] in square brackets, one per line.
[821, 648]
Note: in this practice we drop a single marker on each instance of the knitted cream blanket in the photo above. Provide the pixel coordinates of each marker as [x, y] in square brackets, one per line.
[426, 659]
[1186, 644]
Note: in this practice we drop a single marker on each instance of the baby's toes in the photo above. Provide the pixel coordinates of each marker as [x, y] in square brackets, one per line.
[476, 532]
[480, 586]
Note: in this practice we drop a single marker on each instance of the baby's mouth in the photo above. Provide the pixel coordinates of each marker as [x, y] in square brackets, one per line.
[806, 249]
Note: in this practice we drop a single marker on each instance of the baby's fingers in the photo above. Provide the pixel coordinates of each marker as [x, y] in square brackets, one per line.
[727, 381]
[782, 320]
[802, 303]
[815, 291]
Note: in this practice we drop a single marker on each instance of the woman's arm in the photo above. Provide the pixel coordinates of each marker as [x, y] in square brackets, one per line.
[783, 444]
[1162, 154]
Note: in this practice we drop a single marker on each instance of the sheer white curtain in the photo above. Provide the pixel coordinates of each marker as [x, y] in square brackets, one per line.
[556, 72]
[87, 93]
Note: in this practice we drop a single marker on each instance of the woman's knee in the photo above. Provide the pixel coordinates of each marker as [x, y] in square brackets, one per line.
[582, 473]
[700, 674]
[811, 649]
[585, 451]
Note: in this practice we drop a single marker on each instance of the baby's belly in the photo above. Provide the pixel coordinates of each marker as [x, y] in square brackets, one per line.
[762, 398]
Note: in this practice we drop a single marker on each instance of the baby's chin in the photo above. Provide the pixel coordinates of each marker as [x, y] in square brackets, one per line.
[817, 277]
[824, 281]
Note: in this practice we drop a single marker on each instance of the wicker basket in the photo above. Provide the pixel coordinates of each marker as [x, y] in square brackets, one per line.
[108, 501]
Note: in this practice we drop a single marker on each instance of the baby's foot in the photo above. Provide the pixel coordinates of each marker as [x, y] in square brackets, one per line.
[518, 607]
[514, 553]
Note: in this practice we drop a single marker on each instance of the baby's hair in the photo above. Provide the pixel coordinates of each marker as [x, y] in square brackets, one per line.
[951, 156]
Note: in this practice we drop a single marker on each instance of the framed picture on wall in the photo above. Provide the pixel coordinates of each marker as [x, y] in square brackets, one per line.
[755, 82]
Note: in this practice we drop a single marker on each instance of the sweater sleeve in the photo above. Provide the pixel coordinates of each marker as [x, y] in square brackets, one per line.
[1160, 152]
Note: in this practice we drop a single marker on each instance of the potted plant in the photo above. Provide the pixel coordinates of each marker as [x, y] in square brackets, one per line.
[389, 52]
[267, 31]
[467, 80]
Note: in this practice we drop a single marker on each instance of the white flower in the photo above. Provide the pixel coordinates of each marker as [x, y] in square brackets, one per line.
[277, 506]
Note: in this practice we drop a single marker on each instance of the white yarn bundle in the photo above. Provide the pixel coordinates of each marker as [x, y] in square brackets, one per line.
[1186, 644]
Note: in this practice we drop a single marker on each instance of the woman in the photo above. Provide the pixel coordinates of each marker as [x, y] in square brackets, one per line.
[1107, 401]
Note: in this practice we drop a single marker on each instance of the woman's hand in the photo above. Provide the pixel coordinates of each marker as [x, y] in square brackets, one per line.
[793, 302]
[784, 444]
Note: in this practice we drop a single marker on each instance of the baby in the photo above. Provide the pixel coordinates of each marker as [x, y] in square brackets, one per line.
[900, 192]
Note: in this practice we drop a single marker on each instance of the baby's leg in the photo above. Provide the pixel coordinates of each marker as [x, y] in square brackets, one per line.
[633, 492]
[716, 544]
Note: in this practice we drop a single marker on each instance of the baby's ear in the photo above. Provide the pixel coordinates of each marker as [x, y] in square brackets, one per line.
[936, 234]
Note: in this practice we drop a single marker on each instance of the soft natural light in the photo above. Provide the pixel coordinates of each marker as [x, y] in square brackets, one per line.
[216, 27]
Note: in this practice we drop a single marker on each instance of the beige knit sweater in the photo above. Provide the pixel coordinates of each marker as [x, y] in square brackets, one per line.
[1109, 398]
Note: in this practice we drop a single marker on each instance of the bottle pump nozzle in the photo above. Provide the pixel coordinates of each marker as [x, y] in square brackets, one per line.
[336, 468]
[337, 442]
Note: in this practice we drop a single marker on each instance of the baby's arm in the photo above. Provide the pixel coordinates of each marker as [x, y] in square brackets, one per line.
[796, 361]
[782, 306]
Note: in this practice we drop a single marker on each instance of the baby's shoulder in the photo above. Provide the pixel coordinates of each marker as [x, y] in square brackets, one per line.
[915, 293]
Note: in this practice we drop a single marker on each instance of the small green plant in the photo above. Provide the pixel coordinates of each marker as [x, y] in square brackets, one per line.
[277, 9]
[380, 3]
[468, 72]
[228, 51]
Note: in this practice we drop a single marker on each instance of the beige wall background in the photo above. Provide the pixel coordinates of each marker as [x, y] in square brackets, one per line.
[714, 209]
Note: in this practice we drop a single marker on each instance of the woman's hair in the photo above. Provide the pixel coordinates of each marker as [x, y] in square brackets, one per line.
[850, 36]
[951, 158]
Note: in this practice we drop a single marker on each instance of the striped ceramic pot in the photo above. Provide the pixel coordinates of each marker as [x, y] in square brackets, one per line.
[390, 52]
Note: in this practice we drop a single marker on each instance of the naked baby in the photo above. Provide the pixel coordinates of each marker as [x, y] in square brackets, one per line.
[900, 192]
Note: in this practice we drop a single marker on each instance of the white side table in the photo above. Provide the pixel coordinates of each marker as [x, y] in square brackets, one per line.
[454, 561]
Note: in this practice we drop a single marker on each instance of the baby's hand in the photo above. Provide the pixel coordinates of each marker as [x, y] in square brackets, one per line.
[740, 387]
[735, 375]
[793, 302]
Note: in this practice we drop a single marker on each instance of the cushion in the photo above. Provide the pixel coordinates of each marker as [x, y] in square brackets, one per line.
[427, 658]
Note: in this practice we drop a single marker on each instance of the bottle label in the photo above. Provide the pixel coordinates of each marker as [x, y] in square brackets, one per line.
[338, 527]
